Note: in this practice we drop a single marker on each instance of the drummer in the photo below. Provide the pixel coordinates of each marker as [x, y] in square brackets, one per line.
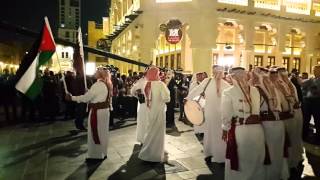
[195, 81]
[212, 142]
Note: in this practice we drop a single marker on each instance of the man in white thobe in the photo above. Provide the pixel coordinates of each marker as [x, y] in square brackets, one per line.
[214, 146]
[195, 81]
[142, 121]
[242, 129]
[275, 165]
[293, 124]
[157, 95]
[98, 120]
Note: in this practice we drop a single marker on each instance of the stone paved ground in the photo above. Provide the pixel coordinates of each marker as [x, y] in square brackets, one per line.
[53, 152]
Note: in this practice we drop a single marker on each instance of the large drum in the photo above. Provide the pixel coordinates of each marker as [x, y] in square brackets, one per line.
[194, 110]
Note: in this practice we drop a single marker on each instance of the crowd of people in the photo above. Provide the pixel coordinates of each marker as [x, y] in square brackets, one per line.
[255, 120]
[50, 105]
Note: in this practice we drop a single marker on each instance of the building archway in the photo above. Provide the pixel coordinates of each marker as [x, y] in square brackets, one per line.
[264, 44]
[230, 43]
[294, 45]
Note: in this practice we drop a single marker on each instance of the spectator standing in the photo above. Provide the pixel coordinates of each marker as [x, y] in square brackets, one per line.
[311, 95]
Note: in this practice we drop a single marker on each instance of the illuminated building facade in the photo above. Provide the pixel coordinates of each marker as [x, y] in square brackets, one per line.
[227, 32]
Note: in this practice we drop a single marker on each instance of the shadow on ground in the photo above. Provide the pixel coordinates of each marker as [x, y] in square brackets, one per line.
[84, 171]
[27, 152]
[138, 169]
[217, 170]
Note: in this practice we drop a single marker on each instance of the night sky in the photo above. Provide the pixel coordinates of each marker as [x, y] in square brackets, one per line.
[30, 13]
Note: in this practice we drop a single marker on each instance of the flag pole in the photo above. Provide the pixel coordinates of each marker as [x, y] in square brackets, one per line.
[80, 40]
[63, 77]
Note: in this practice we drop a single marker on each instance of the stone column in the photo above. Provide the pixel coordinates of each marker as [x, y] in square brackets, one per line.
[149, 33]
[281, 41]
[203, 35]
[202, 59]
[312, 46]
[249, 48]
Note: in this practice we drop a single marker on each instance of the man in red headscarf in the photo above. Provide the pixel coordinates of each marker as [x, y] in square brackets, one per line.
[242, 129]
[157, 95]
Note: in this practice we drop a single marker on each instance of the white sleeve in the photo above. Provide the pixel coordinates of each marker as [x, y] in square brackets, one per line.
[256, 101]
[196, 91]
[226, 110]
[135, 87]
[165, 93]
[87, 97]
[278, 98]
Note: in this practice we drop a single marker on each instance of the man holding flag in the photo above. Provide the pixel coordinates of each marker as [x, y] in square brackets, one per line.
[98, 97]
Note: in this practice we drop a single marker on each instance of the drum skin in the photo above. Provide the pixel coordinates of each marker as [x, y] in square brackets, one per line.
[194, 112]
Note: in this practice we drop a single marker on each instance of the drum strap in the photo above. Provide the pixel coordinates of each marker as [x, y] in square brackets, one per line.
[204, 90]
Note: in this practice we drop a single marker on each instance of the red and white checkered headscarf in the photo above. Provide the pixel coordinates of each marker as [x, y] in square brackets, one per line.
[152, 75]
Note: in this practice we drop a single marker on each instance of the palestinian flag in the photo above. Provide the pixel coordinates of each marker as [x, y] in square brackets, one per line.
[28, 79]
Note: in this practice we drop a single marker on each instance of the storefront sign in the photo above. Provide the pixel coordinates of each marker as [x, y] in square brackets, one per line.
[172, 30]
[173, 36]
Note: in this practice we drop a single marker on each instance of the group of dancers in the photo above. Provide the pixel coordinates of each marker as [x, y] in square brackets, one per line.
[253, 123]
[253, 120]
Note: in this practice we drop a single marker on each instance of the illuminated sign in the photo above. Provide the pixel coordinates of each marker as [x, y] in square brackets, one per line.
[172, 30]
[173, 36]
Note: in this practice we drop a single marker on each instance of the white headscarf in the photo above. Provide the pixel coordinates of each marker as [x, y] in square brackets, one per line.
[169, 76]
[217, 73]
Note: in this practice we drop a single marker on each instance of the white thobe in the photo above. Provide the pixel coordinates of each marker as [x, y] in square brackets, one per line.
[142, 121]
[294, 129]
[97, 93]
[274, 132]
[197, 129]
[249, 138]
[213, 144]
[153, 146]
[296, 133]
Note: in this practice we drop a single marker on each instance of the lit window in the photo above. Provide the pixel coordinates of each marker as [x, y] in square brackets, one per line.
[268, 4]
[235, 2]
[298, 6]
[316, 8]
[171, 1]
[258, 61]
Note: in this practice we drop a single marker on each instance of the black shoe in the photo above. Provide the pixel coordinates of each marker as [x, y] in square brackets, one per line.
[82, 129]
[94, 160]
[208, 159]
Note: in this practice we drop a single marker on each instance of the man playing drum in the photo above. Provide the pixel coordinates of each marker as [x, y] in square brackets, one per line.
[242, 129]
[212, 89]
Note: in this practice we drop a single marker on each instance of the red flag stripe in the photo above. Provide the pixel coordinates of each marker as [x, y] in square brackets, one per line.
[47, 42]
